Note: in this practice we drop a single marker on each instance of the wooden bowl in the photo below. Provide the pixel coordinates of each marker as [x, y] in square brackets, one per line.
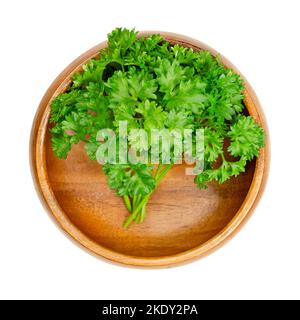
[182, 223]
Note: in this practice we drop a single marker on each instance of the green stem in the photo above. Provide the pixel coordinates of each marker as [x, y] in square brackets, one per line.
[163, 172]
[144, 201]
[137, 200]
[136, 210]
[133, 202]
[157, 170]
[127, 202]
[143, 213]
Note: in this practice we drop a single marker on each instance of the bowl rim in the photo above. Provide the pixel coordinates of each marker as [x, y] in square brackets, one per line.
[47, 197]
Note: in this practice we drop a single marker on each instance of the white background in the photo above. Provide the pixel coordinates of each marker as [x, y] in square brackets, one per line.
[39, 38]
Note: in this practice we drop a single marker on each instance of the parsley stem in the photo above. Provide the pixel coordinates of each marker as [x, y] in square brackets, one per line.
[144, 201]
[143, 213]
[140, 217]
[136, 210]
[157, 170]
[163, 172]
[127, 202]
[133, 202]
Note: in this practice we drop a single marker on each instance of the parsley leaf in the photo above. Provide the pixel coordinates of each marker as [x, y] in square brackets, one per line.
[246, 137]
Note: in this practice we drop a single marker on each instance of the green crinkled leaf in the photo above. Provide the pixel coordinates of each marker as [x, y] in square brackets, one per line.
[169, 75]
[118, 90]
[141, 182]
[153, 116]
[127, 88]
[130, 179]
[246, 138]
[179, 120]
[213, 145]
[141, 85]
[189, 96]
[92, 73]
[60, 146]
[91, 149]
[63, 104]
[225, 171]
[121, 39]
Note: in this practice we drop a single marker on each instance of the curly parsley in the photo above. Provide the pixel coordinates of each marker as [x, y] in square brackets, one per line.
[152, 84]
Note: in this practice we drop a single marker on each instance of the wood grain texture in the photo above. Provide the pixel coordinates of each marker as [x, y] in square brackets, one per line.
[183, 222]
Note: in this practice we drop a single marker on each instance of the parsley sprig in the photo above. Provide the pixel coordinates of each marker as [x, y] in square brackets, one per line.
[153, 84]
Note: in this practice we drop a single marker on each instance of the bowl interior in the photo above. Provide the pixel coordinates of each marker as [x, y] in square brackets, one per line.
[180, 216]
